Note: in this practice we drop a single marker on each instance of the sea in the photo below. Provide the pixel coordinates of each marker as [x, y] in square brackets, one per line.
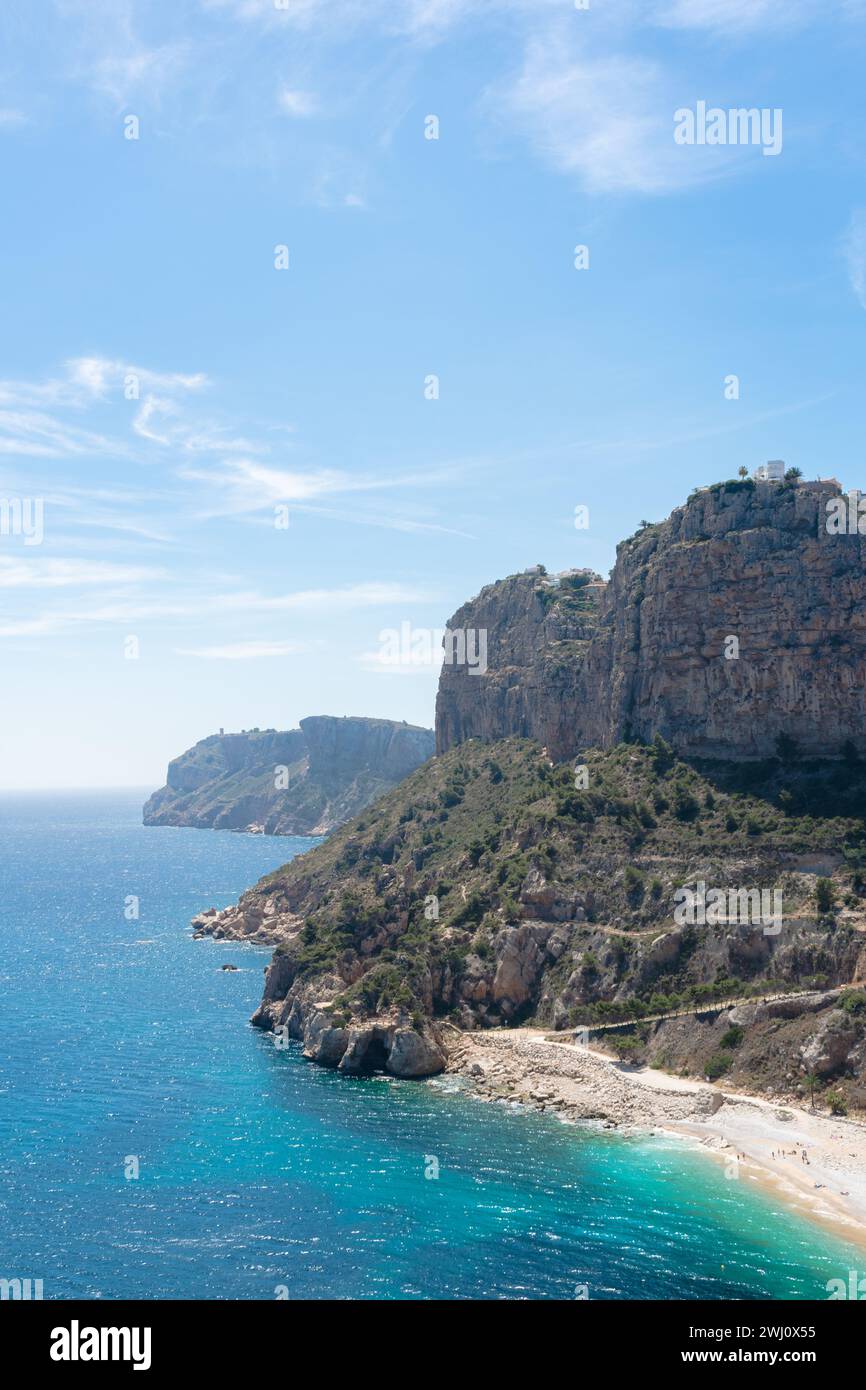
[154, 1145]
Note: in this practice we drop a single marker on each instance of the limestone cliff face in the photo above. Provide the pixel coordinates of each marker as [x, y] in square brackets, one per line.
[335, 767]
[338, 749]
[747, 561]
[538, 631]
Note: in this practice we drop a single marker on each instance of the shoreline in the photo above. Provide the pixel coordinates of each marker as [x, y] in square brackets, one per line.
[763, 1140]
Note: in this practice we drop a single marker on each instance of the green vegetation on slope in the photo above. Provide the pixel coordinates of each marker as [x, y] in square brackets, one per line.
[415, 890]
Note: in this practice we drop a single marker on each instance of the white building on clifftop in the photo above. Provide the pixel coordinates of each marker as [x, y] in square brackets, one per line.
[771, 472]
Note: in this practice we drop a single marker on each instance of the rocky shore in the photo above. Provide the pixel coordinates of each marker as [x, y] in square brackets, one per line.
[521, 1064]
[394, 1041]
[814, 1163]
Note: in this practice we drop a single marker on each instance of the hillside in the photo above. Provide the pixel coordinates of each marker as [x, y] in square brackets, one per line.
[303, 782]
[712, 694]
[555, 905]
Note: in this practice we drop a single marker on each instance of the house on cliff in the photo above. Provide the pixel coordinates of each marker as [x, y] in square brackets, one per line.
[773, 471]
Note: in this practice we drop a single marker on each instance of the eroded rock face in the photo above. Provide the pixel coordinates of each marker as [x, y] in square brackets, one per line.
[539, 968]
[334, 768]
[755, 563]
[795, 1008]
[534, 652]
[413, 1053]
[520, 961]
[392, 1043]
[827, 1052]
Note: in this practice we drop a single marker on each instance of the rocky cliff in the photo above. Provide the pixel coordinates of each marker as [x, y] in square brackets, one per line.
[303, 782]
[714, 691]
[737, 620]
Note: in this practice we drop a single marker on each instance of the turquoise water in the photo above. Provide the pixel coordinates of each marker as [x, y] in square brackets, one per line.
[260, 1173]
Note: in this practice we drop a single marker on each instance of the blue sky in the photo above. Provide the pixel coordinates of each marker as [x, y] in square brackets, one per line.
[151, 261]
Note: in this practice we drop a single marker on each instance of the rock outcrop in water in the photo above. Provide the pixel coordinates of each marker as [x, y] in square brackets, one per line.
[303, 782]
[737, 620]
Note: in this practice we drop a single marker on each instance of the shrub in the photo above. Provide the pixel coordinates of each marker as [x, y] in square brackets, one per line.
[634, 885]
[510, 908]
[626, 1049]
[686, 807]
[718, 1064]
[662, 755]
[825, 895]
[837, 1103]
[471, 911]
[733, 1037]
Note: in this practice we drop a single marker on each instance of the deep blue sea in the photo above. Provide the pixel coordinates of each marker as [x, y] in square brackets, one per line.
[261, 1175]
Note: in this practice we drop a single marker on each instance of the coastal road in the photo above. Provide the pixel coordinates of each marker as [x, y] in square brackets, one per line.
[714, 1008]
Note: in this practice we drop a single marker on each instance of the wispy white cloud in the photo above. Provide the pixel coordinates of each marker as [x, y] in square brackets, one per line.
[736, 16]
[248, 486]
[163, 425]
[108, 53]
[411, 18]
[127, 511]
[197, 605]
[379, 663]
[149, 409]
[408, 525]
[606, 119]
[370, 594]
[98, 375]
[87, 380]
[27, 428]
[137, 71]
[29, 627]
[244, 651]
[10, 117]
[45, 573]
[593, 97]
[37, 435]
